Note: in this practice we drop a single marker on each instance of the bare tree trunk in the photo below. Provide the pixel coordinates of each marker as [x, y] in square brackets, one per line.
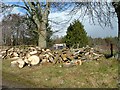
[43, 26]
[118, 15]
[117, 10]
[17, 43]
[116, 5]
[119, 37]
[42, 36]
[40, 18]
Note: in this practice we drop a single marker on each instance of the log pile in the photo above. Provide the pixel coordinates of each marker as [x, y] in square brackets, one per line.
[31, 56]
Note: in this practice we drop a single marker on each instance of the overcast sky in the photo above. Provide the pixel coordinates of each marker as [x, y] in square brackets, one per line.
[92, 30]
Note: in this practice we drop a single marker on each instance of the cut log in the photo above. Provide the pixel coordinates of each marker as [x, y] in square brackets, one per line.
[15, 54]
[26, 60]
[18, 62]
[21, 63]
[14, 58]
[13, 63]
[33, 52]
[78, 62]
[44, 61]
[47, 50]
[34, 60]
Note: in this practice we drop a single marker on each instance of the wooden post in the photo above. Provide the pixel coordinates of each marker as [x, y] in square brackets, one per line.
[111, 49]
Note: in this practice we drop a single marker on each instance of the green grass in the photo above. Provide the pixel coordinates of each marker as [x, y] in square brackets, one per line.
[92, 74]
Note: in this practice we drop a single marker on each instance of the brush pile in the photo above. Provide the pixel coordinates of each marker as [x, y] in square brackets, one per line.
[31, 56]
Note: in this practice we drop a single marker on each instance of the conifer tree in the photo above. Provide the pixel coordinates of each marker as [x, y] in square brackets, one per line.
[76, 35]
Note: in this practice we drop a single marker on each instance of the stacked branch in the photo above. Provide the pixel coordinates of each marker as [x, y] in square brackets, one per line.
[31, 56]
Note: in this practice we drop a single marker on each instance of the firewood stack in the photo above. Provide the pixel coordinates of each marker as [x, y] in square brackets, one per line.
[31, 56]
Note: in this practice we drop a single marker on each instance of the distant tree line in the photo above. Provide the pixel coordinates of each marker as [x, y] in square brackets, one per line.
[20, 30]
[103, 41]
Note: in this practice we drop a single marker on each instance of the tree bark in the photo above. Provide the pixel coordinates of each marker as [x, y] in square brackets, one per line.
[116, 5]
[119, 37]
[118, 15]
[40, 18]
[42, 35]
[42, 41]
[43, 26]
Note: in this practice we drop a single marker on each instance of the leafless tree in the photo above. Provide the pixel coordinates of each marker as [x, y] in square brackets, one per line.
[100, 11]
[16, 29]
[38, 12]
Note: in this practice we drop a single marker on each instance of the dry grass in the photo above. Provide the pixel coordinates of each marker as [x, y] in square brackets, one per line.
[93, 74]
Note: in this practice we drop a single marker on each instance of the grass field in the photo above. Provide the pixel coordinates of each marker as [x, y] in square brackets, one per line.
[92, 74]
